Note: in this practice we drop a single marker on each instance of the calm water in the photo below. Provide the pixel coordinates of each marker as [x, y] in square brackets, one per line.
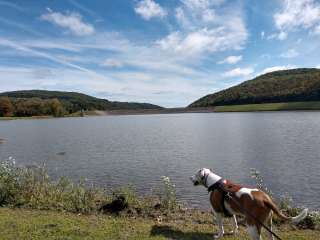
[118, 150]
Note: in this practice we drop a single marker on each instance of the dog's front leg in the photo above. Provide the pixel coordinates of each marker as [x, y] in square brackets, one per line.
[220, 225]
[234, 225]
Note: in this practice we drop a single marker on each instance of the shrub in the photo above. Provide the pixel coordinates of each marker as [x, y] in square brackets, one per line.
[32, 187]
[255, 174]
[6, 107]
[168, 196]
[285, 204]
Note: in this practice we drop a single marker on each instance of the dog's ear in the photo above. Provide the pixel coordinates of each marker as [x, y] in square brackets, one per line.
[202, 172]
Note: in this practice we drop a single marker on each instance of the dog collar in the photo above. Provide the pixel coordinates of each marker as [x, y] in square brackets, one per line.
[216, 186]
[211, 179]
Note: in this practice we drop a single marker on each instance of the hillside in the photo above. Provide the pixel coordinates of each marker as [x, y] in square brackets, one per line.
[73, 101]
[296, 85]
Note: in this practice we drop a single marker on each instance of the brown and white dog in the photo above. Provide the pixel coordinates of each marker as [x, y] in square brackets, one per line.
[252, 200]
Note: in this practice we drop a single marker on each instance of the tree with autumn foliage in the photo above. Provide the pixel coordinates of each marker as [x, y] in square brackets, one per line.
[6, 107]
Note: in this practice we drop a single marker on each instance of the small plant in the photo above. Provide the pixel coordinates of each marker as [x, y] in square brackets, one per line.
[256, 175]
[128, 193]
[168, 197]
[32, 187]
[312, 221]
[9, 185]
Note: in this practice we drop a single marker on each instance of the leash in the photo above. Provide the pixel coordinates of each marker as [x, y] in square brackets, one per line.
[251, 215]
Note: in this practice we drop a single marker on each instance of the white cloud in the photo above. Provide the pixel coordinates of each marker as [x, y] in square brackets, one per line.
[35, 53]
[297, 14]
[71, 21]
[291, 53]
[202, 4]
[113, 63]
[23, 27]
[205, 40]
[206, 28]
[316, 30]
[280, 36]
[12, 5]
[262, 34]
[231, 60]
[148, 9]
[239, 72]
[276, 68]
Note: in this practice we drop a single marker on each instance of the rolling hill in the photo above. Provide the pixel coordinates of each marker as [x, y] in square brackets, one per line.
[295, 85]
[73, 101]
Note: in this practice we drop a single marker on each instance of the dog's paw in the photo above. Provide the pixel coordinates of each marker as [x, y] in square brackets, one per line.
[234, 232]
[218, 235]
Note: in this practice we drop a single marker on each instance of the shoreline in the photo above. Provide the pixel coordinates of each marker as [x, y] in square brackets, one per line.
[33, 204]
[261, 107]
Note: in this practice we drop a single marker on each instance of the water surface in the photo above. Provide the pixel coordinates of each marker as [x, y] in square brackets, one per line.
[118, 150]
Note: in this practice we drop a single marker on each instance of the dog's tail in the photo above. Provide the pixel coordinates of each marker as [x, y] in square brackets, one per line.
[270, 204]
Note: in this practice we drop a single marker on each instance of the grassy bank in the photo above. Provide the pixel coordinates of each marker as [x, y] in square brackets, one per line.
[289, 106]
[35, 207]
[35, 224]
[33, 117]
[75, 114]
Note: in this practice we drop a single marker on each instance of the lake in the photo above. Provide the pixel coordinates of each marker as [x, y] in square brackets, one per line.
[138, 149]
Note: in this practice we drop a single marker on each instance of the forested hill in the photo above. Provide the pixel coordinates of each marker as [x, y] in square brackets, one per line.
[29, 101]
[293, 85]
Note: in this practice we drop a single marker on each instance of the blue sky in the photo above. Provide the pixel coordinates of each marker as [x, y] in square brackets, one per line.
[166, 52]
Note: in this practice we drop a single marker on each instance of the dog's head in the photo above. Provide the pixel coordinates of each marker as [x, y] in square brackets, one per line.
[199, 177]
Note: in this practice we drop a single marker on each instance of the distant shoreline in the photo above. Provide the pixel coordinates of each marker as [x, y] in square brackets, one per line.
[262, 107]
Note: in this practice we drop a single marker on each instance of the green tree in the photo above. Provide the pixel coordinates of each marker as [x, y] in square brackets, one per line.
[6, 107]
[57, 109]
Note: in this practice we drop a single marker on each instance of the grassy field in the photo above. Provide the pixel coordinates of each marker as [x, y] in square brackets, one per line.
[290, 106]
[35, 224]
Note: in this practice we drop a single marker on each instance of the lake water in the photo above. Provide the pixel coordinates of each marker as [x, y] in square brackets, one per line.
[118, 150]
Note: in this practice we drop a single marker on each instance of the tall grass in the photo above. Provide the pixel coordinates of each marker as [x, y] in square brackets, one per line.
[31, 187]
[286, 204]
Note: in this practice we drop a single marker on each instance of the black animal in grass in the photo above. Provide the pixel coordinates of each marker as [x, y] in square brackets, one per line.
[117, 205]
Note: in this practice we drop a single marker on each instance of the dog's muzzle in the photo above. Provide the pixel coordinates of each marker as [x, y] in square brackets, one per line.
[194, 181]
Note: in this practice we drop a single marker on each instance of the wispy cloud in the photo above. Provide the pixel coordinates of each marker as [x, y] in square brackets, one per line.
[291, 53]
[205, 29]
[71, 21]
[20, 26]
[279, 36]
[33, 52]
[276, 68]
[12, 5]
[113, 63]
[83, 8]
[238, 72]
[231, 59]
[148, 9]
[297, 14]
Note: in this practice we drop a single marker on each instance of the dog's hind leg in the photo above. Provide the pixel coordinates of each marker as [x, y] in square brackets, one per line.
[254, 232]
[269, 224]
[234, 225]
[220, 225]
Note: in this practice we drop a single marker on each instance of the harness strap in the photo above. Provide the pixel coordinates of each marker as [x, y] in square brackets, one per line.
[225, 196]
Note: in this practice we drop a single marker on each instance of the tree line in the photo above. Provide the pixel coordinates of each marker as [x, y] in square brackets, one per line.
[26, 107]
[294, 85]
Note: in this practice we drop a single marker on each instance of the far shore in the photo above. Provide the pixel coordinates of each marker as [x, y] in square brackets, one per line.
[261, 107]
[121, 112]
